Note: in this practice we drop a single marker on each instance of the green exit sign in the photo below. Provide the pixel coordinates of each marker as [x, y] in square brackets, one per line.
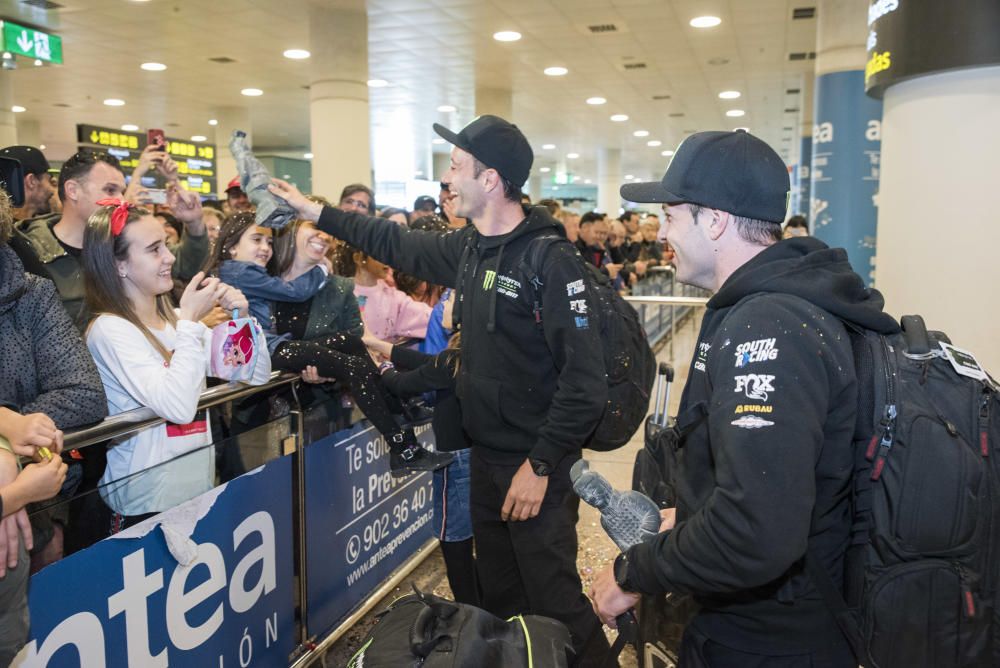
[32, 43]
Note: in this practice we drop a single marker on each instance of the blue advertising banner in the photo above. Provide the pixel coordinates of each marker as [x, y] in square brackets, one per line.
[128, 602]
[363, 526]
[846, 157]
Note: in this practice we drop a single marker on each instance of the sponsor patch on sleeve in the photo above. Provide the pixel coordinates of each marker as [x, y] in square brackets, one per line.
[761, 350]
[751, 422]
[575, 288]
[755, 385]
[582, 322]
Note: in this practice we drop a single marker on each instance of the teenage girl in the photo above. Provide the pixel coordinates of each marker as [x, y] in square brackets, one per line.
[150, 354]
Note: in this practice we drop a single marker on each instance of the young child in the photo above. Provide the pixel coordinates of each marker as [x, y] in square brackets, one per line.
[150, 355]
[240, 258]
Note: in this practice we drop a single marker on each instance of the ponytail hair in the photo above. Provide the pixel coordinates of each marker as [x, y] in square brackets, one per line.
[105, 243]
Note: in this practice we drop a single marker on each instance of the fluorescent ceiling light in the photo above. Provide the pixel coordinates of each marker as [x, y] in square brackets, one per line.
[548, 147]
[114, 102]
[507, 36]
[307, 156]
[666, 154]
[252, 92]
[729, 94]
[545, 170]
[296, 54]
[129, 127]
[212, 121]
[17, 109]
[641, 133]
[619, 118]
[705, 21]
[556, 71]
[735, 113]
[153, 67]
[199, 138]
[653, 143]
[596, 100]
[572, 156]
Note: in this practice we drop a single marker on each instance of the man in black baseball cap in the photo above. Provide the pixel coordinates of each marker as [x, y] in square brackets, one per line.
[39, 186]
[532, 388]
[770, 412]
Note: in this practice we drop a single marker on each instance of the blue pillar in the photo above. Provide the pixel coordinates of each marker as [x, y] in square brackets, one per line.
[846, 156]
[802, 180]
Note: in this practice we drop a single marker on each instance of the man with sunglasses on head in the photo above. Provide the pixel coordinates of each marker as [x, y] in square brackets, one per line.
[56, 240]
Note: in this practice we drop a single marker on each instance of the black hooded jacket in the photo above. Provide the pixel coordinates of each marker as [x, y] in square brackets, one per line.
[767, 471]
[525, 390]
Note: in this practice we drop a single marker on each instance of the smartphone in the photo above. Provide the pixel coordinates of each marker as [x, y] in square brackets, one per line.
[156, 196]
[156, 137]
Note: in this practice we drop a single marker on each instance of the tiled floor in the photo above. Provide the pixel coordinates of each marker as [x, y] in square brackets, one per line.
[596, 549]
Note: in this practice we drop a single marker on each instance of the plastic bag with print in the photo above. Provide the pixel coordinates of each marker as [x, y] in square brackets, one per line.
[234, 349]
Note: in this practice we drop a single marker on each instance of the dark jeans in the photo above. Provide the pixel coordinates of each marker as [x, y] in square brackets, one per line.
[699, 651]
[530, 566]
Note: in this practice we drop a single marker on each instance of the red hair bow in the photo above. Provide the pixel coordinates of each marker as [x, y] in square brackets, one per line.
[119, 216]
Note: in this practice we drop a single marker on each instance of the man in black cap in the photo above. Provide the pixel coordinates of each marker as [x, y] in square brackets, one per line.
[764, 469]
[39, 186]
[531, 392]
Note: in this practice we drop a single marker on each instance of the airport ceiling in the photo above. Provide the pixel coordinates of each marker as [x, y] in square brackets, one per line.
[642, 56]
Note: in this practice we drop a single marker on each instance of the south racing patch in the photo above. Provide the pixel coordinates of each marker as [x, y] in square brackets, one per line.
[761, 350]
[575, 288]
[702, 358]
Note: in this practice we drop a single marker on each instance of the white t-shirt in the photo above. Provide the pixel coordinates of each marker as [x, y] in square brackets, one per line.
[161, 466]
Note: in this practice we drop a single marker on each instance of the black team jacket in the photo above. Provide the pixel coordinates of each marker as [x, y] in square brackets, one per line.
[767, 469]
[525, 389]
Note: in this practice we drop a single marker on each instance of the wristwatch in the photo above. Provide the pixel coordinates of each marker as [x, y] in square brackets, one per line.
[540, 466]
[621, 574]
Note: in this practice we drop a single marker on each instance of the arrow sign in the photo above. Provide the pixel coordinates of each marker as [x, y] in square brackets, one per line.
[25, 42]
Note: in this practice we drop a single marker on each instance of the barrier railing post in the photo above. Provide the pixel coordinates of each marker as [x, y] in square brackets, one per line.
[300, 512]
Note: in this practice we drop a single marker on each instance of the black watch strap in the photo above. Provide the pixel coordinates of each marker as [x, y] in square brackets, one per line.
[621, 573]
[540, 466]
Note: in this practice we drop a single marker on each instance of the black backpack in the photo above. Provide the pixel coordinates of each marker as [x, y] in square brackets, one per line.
[628, 359]
[922, 569]
[431, 632]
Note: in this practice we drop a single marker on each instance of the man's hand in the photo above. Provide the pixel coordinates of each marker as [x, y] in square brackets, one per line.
[168, 167]
[27, 433]
[608, 599]
[186, 206]
[286, 191]
[668, 517]
[524, 498]
[640, 267]
[613, 269]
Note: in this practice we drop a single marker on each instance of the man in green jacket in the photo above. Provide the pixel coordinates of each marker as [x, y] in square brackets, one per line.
[56, 240]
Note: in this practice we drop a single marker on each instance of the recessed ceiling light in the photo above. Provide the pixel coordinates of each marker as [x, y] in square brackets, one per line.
[667, 153]
[548, 147]
[587, 181]
[296, 54]
[507, 36]
[252, 92]
[735, 113]
[446, 108]
[38, 62]
[654, 143]
[729, 94]
[629, 177]
[572, 156]
[377, 83]
[619, 118]
[437, 140]
[307, 156]
[114, 102]
[129, 127]
[545, 170]
[555, 71]
[41, 147]
[153, 67]
[596, 100]
[17, 109]
[212, 121]
[641, 133]
[705, 21]
[198, 138]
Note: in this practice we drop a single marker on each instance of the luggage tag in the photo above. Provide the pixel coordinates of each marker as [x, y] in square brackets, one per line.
[964, 363]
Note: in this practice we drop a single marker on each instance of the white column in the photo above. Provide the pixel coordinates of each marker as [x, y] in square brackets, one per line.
[535, 184]
[609, 180]
[937, 225]
[495, 101]
[230, 119]
[339, 126]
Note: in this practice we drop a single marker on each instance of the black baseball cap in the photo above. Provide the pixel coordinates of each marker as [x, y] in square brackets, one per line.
[424, 201]
[32, 160]
[729, 171]
[496, 143]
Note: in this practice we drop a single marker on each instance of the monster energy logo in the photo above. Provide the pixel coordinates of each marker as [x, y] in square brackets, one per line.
[488, 279]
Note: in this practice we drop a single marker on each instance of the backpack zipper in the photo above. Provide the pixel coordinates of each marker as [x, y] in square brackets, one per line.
[984, 423]
[882, 440]
[968, 600]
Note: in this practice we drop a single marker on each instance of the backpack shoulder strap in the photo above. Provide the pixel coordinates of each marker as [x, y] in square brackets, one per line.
[531, 265]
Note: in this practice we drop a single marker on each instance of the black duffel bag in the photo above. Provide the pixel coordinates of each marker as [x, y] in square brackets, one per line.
[432, 632]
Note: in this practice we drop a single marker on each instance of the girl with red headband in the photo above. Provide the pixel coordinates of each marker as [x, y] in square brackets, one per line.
[150, 354]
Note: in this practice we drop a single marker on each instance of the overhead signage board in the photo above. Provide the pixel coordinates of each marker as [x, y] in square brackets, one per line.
[31, 43]
[909, 38]
[195, 160]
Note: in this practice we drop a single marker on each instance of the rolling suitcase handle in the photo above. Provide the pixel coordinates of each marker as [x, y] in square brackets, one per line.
[664, 378]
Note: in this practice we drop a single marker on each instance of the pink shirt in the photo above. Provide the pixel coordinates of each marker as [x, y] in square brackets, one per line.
[390, 314]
